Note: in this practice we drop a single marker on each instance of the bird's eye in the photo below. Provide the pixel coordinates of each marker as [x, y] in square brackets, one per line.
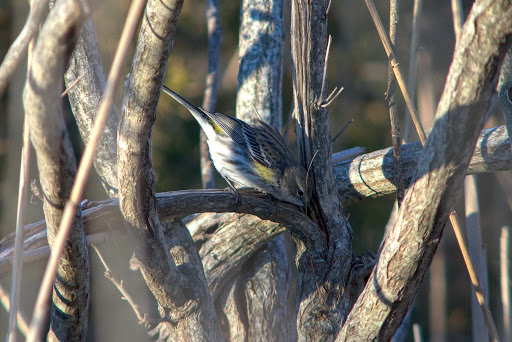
[300, 193]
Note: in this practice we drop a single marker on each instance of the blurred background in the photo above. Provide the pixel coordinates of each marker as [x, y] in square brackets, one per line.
[357, 62]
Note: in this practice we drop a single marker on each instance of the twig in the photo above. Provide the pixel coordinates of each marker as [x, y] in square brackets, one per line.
[142, 317]
[20, 230]
[342, 130]
[393, 106]
[347, 154]
[458, 17]
[40, 309]
[396, 68]
[66, 91]
[212, 84]
[416, 331]
[324, 75]
[17, 49]
[334, 94]
[421, 133]
[22, 322]
[413, 66]
[473, 276]
[505, 282]
[477, 252]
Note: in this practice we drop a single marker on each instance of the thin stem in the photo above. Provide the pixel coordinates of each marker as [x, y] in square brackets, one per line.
[393, 106]
[17, 49]
[212, 83]
[22, 322]
[505, 282]
[324, 75]
[493, 331]
[18, 244]
[458, 17]
[41, 306]
[396, 68]
[413, 66]
[143, 317]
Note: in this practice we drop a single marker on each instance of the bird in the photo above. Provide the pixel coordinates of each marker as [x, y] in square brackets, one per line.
[253, 155]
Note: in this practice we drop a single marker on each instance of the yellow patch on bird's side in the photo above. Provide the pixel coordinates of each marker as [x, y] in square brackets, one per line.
[215, 126]
[263, 171]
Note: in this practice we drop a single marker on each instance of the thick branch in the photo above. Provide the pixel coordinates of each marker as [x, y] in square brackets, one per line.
[84, 97]
[408, 251]
[323, 276]
[57, 165]
[372, 175]
[367, 176]
[262, 282]
[168, 261]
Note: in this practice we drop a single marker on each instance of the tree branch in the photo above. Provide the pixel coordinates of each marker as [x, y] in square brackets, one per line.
[408, 251]
[367, 176]
[166, 255]
[57, 168]
[262, 281]
[84, 98]
[322, 303]
[20, 45]
[371, 175]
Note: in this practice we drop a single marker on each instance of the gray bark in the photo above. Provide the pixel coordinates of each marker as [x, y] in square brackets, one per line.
[165, 254]
[255, 299]
[372, 175]
[57, 165]
[408, 250]
[84, 98]
[323, 269]
[367, 176]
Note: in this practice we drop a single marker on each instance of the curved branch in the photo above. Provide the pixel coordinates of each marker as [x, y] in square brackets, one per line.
[57, 170]
[169, 262]
[85, 66]
[18, 48]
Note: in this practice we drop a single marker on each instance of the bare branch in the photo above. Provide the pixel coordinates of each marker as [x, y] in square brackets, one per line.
[169, 261]
[22, 322]
[260, 74]
[57, 168]
[372, 174]
[393, 106]
[212, 82]
[437, 181]
[142, 317]
[396, 68]
[20, 45]
[264, 280]
[323, 276]
[20, 230]
[86, 72]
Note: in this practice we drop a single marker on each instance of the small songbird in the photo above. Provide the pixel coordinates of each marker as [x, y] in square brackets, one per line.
[252, 155]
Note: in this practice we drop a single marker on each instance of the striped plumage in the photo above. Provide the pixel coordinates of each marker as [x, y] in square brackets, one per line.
[252, 155]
